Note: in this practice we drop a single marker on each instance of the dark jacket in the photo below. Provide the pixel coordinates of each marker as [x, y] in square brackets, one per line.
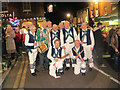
[99, 39]
[18, 37]
[111, 32]
[114, 41]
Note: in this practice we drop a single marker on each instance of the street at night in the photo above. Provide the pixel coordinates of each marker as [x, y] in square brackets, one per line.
[94, 79]
[19, 77]
[60, 45]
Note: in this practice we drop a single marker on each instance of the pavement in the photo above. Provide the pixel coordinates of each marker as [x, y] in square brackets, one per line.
[20, 77]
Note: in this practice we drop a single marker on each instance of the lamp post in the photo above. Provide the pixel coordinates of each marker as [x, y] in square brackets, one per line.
[68, 16]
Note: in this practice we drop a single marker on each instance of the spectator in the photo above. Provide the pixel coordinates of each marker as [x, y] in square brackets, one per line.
[23, 41]
[17, 39]
[115, 43]
[3, 42]
[10, 43]
[24, 30]
[99, 42]
[111, 32]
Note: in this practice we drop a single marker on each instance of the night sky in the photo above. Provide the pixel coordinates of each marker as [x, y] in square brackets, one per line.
[61, 9]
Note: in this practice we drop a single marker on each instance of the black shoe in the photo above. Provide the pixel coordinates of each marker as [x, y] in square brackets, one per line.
[34, 74]
[67, 68]
[90, 69]
[36, 70]
[61, 73]
[46, 68]
[73, 68]
[9, 64]
[43, 70]
[83, 74]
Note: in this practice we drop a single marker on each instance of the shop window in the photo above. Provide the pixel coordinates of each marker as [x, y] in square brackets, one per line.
[27, 7]
[4, 7]
[105, 10]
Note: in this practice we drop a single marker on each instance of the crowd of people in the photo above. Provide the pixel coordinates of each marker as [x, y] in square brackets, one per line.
[62, 45]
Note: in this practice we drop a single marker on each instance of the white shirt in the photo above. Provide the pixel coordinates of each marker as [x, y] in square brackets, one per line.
[72, 56]
[52, 37]
[24, 31]
[51, 57]
[69, 39]
[27, 40]
[85, 39]
[44, 34]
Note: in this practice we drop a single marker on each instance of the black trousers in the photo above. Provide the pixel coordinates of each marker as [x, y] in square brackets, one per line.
[44, 61]
[111, 51]
[18, 47]
[4, 47]
[98, 52]
[117, 62]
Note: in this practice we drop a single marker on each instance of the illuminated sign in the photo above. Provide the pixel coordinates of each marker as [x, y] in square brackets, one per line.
[50, 8]
[5, 15]
[14, 21]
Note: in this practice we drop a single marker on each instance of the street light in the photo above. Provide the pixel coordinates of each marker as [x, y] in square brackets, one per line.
[68, 15]
[96, 1]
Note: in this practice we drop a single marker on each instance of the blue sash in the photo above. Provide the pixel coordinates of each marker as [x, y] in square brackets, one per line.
[68, 34]
[56, 54]
[34, 39]
[55, 35]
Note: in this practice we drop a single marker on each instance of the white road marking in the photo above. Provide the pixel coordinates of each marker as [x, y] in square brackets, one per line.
[115, 80]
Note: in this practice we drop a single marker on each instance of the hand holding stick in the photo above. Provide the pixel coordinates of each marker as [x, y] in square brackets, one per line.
[79, 55]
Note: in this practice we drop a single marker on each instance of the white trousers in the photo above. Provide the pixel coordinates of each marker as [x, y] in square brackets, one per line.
[32, 59]
[79, 66]
[52, 68]
[68, 50]
[88, 55]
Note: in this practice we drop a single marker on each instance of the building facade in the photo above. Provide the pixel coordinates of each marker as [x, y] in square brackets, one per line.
[24, 11]
[95, 9]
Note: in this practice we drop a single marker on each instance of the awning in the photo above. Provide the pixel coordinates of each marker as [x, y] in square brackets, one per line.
[111, 16]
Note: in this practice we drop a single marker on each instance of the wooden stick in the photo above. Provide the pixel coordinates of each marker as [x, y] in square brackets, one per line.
[81, 52]
[62, 58]
[78, 54]
[65, 56]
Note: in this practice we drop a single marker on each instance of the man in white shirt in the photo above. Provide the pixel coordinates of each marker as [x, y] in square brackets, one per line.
[87, 40]
[54, 34]
[77, 54]
[61, 26]
[68, 36]
[54, 54]
[23, 30]
[31, 43]
[49, 26]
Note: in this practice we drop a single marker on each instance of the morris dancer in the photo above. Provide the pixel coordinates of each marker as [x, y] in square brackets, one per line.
[77, 54]
[43, 38]
[54, 54]
[49, 25]
[68, 35]
[61, 26]
[87, 40]
[54, 34]
[31, 43]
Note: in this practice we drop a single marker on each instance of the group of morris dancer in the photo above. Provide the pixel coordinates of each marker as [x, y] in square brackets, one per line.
[65, 48]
